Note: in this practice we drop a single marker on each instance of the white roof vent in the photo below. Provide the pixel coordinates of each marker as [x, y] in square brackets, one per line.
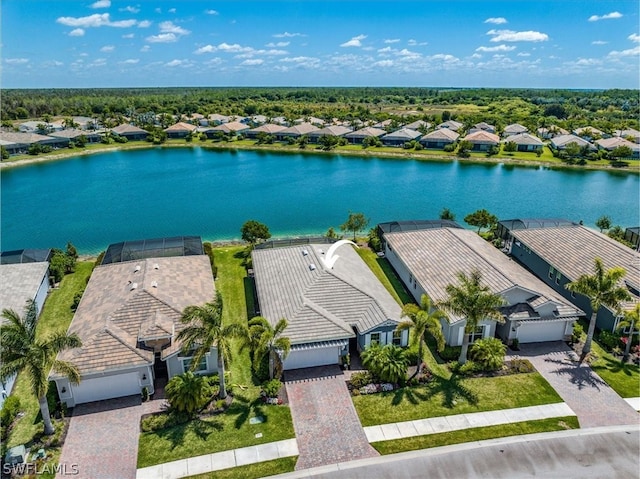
[133, 286]
[154, 284]
[321, 251]
[305, 252]
[137, 268]
[156, 266]
[312, 266]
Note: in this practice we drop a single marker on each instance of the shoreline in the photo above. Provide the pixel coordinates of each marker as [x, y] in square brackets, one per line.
[368, 153]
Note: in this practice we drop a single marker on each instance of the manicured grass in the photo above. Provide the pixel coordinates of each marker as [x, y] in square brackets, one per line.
[454, 395]
[384, 272]
[229, 430]
[56, 315]
[476, 434]
[253, 471]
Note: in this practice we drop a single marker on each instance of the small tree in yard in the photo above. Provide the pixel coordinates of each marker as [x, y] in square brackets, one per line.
[481, 218]
[266, 339]
[604, 223]
[631, 322]
[187, 392]
[510, 146]
[356, 222]
[488, 353]
[254, 232]
[447, 214]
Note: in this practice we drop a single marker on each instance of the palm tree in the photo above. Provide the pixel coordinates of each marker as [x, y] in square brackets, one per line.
[204, 331]
[632, 321]
[387, 363]
[22, 351]
[421, 320]
[267, 339]
[473, 301]
[603, 289]
[187, 392]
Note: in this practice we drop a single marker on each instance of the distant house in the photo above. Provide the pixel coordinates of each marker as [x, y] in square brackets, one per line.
[130, 132]
[610, 144]
[330, 298]
[589, 133]
[19, 143]
[319, 122]
[514, 129]
[400, 137]
[428, 259]
[482, 140]
[420, 125]
[632, 235]
[551, 132]
[383, 124]
[630, 134]
[560, 251]
[34, 127]
[73, 135]
[440, 138]
[296, 131]
[334, 130]
[269, 129]
[216, 119]
[561, 142]
[229, 128]
[259, 119]
[450, 125]
[525, 142]
[180, 130]
[482, 126]
[358, 136]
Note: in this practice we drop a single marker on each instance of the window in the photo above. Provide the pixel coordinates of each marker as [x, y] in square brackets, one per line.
[551, 272]
[573, 294]
[478, 333]
[375, 338]
[558, 277]
[397, 337]
[202, 366]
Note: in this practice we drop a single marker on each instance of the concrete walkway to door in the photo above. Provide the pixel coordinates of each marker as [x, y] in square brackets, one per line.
[327, 426]
[593, 400]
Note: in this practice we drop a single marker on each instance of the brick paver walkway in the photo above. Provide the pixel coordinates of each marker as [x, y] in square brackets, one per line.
[103, 438]
[327, 426]
[593, 400]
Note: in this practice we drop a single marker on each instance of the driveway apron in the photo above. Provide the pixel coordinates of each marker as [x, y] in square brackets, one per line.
[593, 400]
[327, 426]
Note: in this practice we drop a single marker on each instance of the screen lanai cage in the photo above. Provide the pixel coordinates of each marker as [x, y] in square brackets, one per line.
[153, 248]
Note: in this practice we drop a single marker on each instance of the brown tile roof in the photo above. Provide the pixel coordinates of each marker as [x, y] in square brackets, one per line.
[130, 300]
[301, 129]
[269, 128]
[334, 130]
[366, 132]
[181, 126]
[483, 137]
[445, 134]
[126, 128]
[232, 126]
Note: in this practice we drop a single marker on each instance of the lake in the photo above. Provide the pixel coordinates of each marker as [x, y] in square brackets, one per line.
[98, 199]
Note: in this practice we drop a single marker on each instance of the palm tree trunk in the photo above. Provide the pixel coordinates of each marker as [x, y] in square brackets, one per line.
[627, 348]
[223, 387]
[465, 346]
[419, 365]
[592, 327]
[46, 416]
[271, 363]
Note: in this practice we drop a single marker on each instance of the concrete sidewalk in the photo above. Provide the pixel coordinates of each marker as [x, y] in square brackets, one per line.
[220, 460]
[434, 425]
[634, 403]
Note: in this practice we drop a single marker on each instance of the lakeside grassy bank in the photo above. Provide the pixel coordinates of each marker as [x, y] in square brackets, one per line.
[521, 159]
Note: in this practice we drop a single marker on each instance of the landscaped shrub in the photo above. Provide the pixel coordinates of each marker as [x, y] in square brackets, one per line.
[520, 366]
[163, 420]
[411, 355]
[361, 379]
[467, 368]
[272, 387]
[187, 392]
[76, 300]
[609, 340]
[449, 353]
[576, 335]
[488, 353]
[10, 410]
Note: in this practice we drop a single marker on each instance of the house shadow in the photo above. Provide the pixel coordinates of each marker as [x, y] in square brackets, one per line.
[312, 374]
[107, 405]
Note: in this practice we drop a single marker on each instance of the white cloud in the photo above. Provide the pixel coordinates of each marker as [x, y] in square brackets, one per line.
[98, 62]
[476, 55]
[52, 63]
[511, 36]
[444, 57]
[524, 54]
[130, 9]
[384, 63]
[144, 24]
[587, 62]
[16, 61]
[175, 63]
[392, 40]
[415, 43]
[163, 38]
[131, 61]
[634, 37]
[385, 50]
[206, 49]
[631, 52]
[497, 48]
[288, 35]
[253, 61]
[407, 53]
[496, 20]
[211, 12]
[145, 48]
[170, 27]
[598, 42]
[354, 42]
[107, 48]
[101, 4]
[278, 44]
[169, 33]
[95, 20]
[172, 10]
[128, 35]
[608, 16]
[76, 32]
[158, 10]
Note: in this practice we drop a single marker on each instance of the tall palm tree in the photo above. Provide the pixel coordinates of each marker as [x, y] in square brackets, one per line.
[267, 339]
[603, 288]
[421, 320]
[473, 301]
[23, 351]
[632, 321]
[206, 330]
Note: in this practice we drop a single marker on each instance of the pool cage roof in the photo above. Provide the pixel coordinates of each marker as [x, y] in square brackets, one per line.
[504, 226]
[414, 225]
[20, 256]
[153, 248]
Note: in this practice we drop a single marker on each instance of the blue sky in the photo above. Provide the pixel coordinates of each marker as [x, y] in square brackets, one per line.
[113, 43]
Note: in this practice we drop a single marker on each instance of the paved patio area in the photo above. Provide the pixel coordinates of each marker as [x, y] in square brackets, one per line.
[103, 438]
[593, 401]
[327, 426]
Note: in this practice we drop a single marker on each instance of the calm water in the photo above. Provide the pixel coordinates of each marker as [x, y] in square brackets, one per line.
[99, 199]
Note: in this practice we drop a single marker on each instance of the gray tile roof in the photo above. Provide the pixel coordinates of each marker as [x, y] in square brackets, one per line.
[181, 126]
[126, 128]
[402, 134]
[444, 134]
[128, 300]
[23, 138]
[563, 140]
[450, 124]
[416, 125]
[334, 130]
[269, 128]
[482, 137]
[524, 139]
[299, 130]
[19, 283]
[436, 256]
[320, 304]
[365, 133]
[515, 128]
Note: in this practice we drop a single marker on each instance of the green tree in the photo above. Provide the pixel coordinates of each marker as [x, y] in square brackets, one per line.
[388, 363]
[482, 219]
[253, 232]
[267, 339]
[355, 222]
[510, 146]
[630, 322]
[447, 214]
[472, 301]
[187, 392]
[488, 353]
[5, 153]
[23, 352]
[422, 320]
[69, 123]
[572, 150]
[328, 142]
[604, 223]
[204, 330]
[463, 148]
[603, 288]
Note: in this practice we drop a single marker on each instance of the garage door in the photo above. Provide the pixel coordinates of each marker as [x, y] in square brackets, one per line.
[106, 387]
[539, 332]
[309, 358]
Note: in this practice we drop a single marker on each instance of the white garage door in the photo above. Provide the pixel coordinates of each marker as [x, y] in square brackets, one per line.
[107, 387]
[539, 332]
[308, 358]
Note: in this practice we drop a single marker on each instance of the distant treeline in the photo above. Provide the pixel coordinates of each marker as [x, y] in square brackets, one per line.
[599, 108]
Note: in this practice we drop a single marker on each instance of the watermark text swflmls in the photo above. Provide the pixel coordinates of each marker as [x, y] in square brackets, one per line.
[25, 469]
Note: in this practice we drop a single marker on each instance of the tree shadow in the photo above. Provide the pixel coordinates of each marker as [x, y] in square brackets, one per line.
[246, 409]
[452, 389]
[579, 374]
[176, 435]
[410, 394]
[245, 255]
[617, 366]
[249, 297]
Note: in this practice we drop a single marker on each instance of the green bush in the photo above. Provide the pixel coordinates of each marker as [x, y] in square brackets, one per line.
[272, 387]
[609, 340]
[467, 368]
[261, 370]
[10, 410]
[76, 300]
[361, 379]
[488, 353]
[155, 422]
[449, 353]
[578, 330]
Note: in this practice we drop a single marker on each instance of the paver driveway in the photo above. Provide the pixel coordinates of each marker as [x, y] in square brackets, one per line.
[103, 438]
[593, 400]
[327, 426]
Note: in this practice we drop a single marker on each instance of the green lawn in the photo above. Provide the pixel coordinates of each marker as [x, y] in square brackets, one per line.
[253, 471]
[56, 315]
[476, 434]
[623, 378]
[454, 395]
[384, 272]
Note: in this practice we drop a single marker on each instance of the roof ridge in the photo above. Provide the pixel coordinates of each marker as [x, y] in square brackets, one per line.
[306, 302]
[108, 330]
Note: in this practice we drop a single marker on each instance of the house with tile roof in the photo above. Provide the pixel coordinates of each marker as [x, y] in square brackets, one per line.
[525, 142]
[400, 137]
[128, 320]
[358, 136]
[440, 138]
[610, 144]
[296, 131]
[589, 133]
[450, 125]
[428, 259]
[560, 251]
[331, 299]
[630, 134]
[333, 130]
[482, 126]
[268, 129]
[73, 134]
[482, 140]
[420, 125]
[130, 132]
[551, 132]
[560, 142]
[514, 129]
[180, 130]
